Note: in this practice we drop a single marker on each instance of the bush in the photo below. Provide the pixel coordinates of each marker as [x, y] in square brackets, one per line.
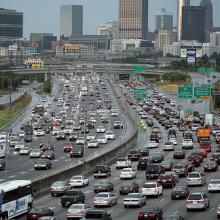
[175, 77]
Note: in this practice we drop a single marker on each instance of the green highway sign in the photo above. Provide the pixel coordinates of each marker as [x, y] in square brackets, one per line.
[138, 68]
[203, 91]
[206, 69]
[140, 92]
[185, 92]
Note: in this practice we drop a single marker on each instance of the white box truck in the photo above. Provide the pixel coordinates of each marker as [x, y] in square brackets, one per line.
[208, 120]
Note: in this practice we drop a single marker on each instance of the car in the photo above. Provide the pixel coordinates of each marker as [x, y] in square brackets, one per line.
[118, 125]
[103, 186]
[197, 200]
[48, 218]
[168, 145]
[39, 132]
[27, 138]
[134, 155]
[196, 178]
[72, 197]
[152, 189]
[166, 180]
[61, 135]
[210, 165]
[97, 215]
[194, 159]
[179, 154]
[173, 103]
[46, 146]
[42, 164]
[102, 171]
[153, 171]
[59, 188]
[129, 188]
[105, 199]
[172, 140]
[128, 173]
[24, 151]
[77, 151]
[216, 157]
[48, 155]
[102, 139]
[78, 210]
[79, 180]
[73, 136]
[93, 143]
[194, 127]
[39, 211]
[36, 153]
[152, 144]
[214, 185]
[187, 144]
[180, 192]
[134, 199]
[151, 213]
[144, 152]
[157, 157]
[123, 163]
[68, 146]
[142, 163]
[80, 141]
[110, 135]
[167, 165]
[100, 129]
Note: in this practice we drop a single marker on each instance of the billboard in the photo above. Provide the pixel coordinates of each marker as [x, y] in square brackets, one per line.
[12, 47]
[183, 52]
[191, 55]
[71, 49]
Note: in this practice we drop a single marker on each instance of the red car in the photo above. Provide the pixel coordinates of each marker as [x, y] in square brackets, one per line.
[166, 180]
[205, 146]
[151, 213]
[68, 147]
[39, 211]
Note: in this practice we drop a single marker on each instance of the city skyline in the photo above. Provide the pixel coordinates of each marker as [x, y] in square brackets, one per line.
[109, 11]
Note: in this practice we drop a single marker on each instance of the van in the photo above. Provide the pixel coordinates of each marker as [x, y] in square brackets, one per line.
[2, 150]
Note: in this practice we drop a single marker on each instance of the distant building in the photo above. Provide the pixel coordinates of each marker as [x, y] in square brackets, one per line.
[163, 21]
[41, 40]
[11, 24]
[133, 19]
[47, 42]
[193, 23]
[4, 51]
[109, 28]
[207, 4]
[71, 20]
[164, 37]
[180, 4]
[215, 39]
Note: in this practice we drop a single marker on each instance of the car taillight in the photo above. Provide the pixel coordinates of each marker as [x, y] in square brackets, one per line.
[152, 214]
[200, 201]
[169, 179]
[189, 202]
[141, 215]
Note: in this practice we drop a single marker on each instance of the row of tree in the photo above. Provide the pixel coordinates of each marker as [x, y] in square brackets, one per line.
[176, 77]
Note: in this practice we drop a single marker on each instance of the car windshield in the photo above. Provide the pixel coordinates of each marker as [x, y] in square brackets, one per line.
[179, 188]
[94, 215]
[72, 193]
[76, 206]
[194, 197]
[102, 182]
[150, 209]
[193, 175]
[76, 178]
[147, 185]
[134, 195]
[56, 184]
[37, 209]
[102, 195]
[215, 181]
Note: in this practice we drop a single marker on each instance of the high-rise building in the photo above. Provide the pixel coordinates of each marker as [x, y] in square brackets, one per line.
[180, 4]
[11, 24]
[164, 37]
[133, 19]
[215, 39]
[71, 20]
[163, 21]
[109, 28]
[193, 23]
[207, 4]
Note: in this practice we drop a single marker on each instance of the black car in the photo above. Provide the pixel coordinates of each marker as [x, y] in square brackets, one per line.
[179, 155]
[73, 136]
[134, 155]
[47, 146]
[210, 165]
[142, 163]
[97, 215]
[155, 137]
[71, 197]
[42, 164]
[129, 188]
[102, 171]
[28, 138]
[77, 151]
[2, 164]
[151, 213]
[180, 192]
[154, 170]
[143, 152]
[157, 158]
[150, 122]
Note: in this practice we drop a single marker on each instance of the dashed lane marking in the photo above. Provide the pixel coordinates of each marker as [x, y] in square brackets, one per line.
[12, 176]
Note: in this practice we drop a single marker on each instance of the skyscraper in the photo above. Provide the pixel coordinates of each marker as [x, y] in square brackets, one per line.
[71, 20]
[207, 4]
[180, 4]
[133, 19]
[163, 21]
[193, 23]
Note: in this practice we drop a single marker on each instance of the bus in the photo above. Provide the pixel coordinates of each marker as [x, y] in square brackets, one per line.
[16, 198]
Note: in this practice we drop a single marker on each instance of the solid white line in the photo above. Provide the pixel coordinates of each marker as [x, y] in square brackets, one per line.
[161, 200]
[212, 209]
[175, 213]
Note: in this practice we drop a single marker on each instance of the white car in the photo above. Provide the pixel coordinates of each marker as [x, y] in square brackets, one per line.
[90, 137]
[152, 189]
[197, 200]
[21, 134]
[168, 145]
[93, 143]
[36, 153]
[24, 151]
[100, 129]
[123, 163]
[187, 144]
[173, 103]
[19, 145]
[39, 132]
[78, 181]
[102, 140]
[196, 178]
[55, 131]
[128, 173]
[152, 144]
[134, 199]
[173, 140]
[68, 130]
[105, 199]
[194, 127]
[110, 135]
[214, 185]
[77, 211]
[80, 140]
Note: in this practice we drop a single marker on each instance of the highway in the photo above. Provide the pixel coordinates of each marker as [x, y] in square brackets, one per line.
[169, 207]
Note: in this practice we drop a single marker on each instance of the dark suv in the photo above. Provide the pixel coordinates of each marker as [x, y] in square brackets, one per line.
[71, 197]
[154, 170]
[97, 215]
[166, 180]
[142, 163]
[102, 171]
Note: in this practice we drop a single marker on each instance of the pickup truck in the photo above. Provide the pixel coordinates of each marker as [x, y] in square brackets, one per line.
[123, 163]
[71, 197]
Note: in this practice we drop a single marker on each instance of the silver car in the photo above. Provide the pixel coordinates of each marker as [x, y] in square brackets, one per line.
[59, 188]
[196, 178]
[105, 199]
[134, 199]
[197, 200]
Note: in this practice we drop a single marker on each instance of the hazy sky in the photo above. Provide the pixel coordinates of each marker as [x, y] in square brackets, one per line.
[43, 15]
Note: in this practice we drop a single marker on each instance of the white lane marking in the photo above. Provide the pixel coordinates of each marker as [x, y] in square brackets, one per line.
[116, 178]
[1, 180]
[88, 191]
[12, 176]
[68, 160]
[175, 213]
[31, 169]
[55, 160]
[212, 209]
[161, 200]
[203, 189]
[22, 172]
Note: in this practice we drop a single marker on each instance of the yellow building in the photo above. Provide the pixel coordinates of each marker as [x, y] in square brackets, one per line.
[34, 64]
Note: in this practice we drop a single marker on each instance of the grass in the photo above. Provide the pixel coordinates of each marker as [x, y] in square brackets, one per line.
[7, 114]
[4, 92]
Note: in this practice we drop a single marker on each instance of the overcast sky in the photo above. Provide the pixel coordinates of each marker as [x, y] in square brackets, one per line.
[43, 15]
